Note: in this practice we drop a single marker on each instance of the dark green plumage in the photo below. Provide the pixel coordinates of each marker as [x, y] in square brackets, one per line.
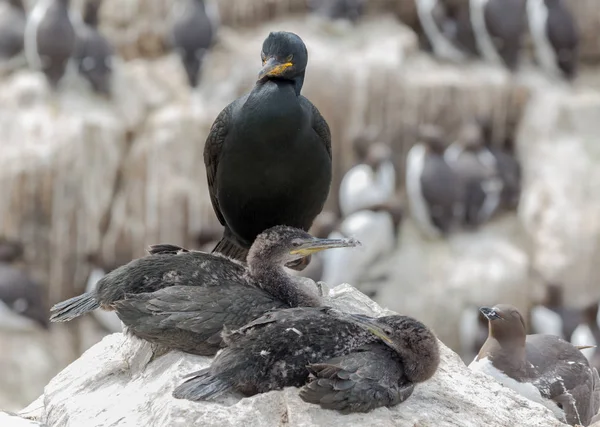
[268, 154]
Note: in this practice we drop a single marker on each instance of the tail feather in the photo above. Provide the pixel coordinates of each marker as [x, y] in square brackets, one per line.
[73, 307]
[230, 249]
[202, 386]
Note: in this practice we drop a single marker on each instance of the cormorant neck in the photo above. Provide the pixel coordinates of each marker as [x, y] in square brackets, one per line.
[277, 282]
[298, 83]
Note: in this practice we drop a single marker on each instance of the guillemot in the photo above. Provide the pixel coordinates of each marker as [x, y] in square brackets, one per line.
[50, 38]
[543, 368]
[432, 186]
[555, 36]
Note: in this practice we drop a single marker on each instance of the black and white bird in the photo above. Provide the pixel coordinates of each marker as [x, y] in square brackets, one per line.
[498, 27]
[555, 36]
[434, 23]
[193, 34]
[433, 189]
[93, 52]
[477, 170]
[12, 28]
[50, 38]
[544, 368]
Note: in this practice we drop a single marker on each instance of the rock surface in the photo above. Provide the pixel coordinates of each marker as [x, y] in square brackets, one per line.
[113, 383]
[11, 420]
[560, 206]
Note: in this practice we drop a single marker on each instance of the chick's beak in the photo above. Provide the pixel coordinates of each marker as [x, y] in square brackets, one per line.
[273, 68]
[371, 326]
[311, 246]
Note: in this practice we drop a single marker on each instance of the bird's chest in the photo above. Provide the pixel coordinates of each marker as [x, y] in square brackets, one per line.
[525, 389]
[273, 142]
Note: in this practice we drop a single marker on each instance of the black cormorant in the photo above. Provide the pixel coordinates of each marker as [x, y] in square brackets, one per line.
[339, 350]
[181, 299]
[268, 154]
[12, 28]
[50, 38]
[192, 35]
[93, 52]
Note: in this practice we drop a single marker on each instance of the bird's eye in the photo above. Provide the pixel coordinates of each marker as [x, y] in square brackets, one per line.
[296, 243]
[289, 58]
[263, 57]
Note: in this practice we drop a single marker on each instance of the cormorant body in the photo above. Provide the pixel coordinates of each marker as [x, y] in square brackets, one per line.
[192, 35]
[338, 350]
[12, 28]
[555, 36]
[268, 154]
[50, 38]
[181, 299]
[93, 52]
[339, 9]
[433, 187]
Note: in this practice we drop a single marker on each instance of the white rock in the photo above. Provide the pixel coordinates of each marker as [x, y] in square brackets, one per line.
[9, 420]
[113, 384]
[560, 206]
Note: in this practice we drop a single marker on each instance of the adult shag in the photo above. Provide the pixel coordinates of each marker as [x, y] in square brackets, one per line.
[268, 153]
[181, 299]
[352, 363]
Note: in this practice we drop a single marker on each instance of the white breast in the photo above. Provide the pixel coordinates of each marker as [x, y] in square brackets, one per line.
[527, 390]
[415, 163]
[30, 39]
[537, 16]
[442, 47]
[482, 36]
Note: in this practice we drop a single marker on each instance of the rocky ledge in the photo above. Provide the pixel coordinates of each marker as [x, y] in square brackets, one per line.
[116, 383]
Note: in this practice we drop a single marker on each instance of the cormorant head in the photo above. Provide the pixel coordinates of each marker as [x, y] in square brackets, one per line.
[505, 322]
[284, 56]
[281, 245]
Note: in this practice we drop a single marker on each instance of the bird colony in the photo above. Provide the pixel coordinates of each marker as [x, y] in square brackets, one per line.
[254, 297]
